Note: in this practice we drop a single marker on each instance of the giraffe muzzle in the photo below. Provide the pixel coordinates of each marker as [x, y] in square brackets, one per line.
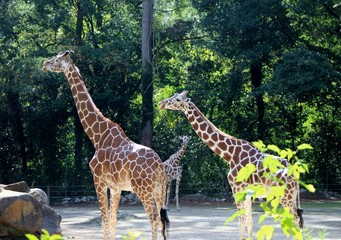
[162, 105]
[45, 68]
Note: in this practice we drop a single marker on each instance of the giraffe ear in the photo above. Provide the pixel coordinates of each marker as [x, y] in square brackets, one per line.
[185, 92]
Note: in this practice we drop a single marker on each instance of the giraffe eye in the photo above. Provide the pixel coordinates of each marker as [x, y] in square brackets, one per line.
[178, 99]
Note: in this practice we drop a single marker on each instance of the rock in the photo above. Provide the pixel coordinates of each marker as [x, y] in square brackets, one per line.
[66, 200]
[40, 195]
[51, 220]
[20, 213]
[17, 187]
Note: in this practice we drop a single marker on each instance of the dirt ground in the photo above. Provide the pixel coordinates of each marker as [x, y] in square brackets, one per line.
[194, 222]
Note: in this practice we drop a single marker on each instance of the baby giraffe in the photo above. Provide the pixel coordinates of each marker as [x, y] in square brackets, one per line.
[119, 163]
[174, 170]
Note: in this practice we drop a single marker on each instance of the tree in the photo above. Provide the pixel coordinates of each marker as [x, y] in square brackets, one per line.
[147, 73]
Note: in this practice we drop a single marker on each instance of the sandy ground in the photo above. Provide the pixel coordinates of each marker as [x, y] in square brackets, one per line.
[204, 221]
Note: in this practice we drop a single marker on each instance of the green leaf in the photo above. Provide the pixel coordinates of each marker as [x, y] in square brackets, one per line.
[260, 145]
[262, 218]
[305, 166]
[283, 154]
[309, 187]
[31, 237]
[274, 203]
[237, 214]
[56, 237]
[272, 163]
[240, 196]
[304, 146]
[274, 148]
[245, 172]
[260, 191]
[265, 232]
[265, 207]
[290, 153]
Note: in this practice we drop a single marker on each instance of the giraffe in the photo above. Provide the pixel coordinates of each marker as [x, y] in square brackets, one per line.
[174, 170]
[238, 153]
[118, 163]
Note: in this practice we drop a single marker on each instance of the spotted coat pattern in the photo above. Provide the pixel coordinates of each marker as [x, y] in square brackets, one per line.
[118, 163]
[174, 170]
[238, 153]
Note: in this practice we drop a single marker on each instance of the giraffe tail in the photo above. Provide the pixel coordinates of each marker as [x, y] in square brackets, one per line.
[165, 222]
[300, 215]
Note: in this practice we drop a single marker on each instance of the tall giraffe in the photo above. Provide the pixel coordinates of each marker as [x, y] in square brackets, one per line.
[238, 153]
[119, 163]
[174, 170]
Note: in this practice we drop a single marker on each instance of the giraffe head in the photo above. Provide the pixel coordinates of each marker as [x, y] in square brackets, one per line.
[185, 139]
[59, 63]
[179, 101]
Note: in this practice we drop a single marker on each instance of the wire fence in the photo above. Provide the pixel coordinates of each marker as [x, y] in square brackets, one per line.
[84, 193]
[59, 194]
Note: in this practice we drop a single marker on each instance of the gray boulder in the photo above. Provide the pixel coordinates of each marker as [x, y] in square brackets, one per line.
[40, 195]
[51, 220]
[20, 213]
[17, 187]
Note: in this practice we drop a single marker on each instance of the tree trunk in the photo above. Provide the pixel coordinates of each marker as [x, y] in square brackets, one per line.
[14, 103]
[256, 79]
[79, 134]
[78, 128]
[147, 74]
[79, 23]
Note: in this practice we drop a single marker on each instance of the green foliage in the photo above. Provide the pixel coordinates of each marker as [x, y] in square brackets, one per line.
[307, 232]
[274, 193]
[132, 235]
[235, 215]
[265, 232]
[289, 81]
[44, 236]
[245, 172]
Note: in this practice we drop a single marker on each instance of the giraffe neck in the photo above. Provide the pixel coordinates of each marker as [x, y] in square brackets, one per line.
[221, 143]
[93, 121]
[174, 160]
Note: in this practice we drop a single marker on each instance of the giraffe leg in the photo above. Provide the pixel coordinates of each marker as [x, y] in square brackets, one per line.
[115, 196]
[177, 192]
[169, 184]
[163, 220]
[289, 200]
[241, 220]
[248, 214]
[148, 203]
[101, 191]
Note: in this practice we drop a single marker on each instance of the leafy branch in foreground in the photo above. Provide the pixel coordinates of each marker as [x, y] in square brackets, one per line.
[132, 235]
[273, 168]
[44, 236]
